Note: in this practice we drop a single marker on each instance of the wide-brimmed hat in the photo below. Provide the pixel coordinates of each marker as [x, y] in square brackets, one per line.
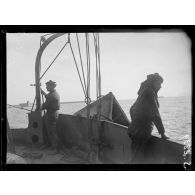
[51, 83]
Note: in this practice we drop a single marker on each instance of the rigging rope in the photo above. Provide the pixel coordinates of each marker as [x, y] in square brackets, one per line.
[98, 75]
[54, 60]
[88, 100]
[81, 60]
[88, 68]
[77, 68]
[97, 55]
[95, 46]
[85, 86]
[99, 78]
[99, 67]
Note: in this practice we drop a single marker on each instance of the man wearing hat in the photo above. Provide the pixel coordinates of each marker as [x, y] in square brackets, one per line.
[52, 105]
[144, 114]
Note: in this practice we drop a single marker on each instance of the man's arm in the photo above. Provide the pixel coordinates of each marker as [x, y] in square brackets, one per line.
[43, 93]
[45, 104]
[154, 112]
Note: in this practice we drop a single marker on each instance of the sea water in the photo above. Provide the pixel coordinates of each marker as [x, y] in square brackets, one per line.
[176, 116]
[175, 112]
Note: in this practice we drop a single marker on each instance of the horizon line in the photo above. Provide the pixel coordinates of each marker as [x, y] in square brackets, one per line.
[82, 101]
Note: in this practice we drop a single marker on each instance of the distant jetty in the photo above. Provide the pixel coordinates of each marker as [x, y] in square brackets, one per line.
[27, 104]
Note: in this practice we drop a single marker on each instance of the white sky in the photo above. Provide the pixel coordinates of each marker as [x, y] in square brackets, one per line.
[126, 59]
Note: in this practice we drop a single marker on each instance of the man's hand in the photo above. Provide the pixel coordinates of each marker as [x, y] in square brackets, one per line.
[43, 93]
[163, 136]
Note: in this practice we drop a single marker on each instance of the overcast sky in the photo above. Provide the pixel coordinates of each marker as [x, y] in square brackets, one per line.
[126, 59]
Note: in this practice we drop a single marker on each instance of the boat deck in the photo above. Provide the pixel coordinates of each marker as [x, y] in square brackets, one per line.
[27, 155]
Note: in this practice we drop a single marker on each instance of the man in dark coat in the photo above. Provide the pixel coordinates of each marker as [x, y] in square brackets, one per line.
[52, 105]
[144, 113]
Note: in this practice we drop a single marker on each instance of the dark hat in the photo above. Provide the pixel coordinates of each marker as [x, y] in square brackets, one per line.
[154, 77]
[51, 83]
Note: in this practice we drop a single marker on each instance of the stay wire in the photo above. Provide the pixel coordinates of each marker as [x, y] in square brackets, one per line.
[99, 66]
[89, 128]
[97, 83]
[100, 89]
[89, 62]
[98, 79]
[86, 35]
[54, 60]
[95, 46]
[77, 68]
[81, 60]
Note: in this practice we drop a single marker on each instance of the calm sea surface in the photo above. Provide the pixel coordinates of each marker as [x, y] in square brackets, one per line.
[175, 113]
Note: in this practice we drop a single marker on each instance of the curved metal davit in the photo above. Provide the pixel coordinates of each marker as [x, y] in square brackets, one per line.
[38, 66]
